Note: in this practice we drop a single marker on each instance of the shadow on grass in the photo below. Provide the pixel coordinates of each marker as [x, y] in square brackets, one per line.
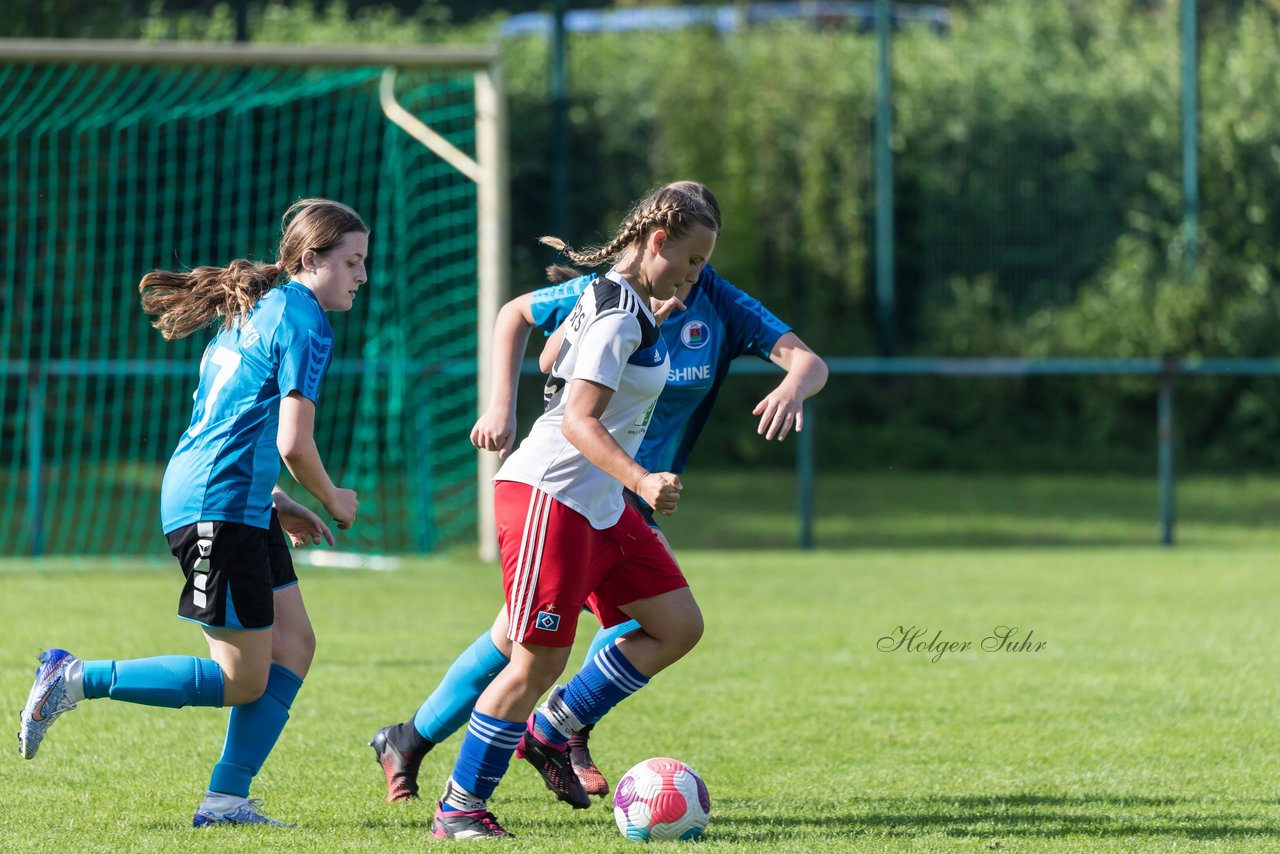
[1017, 815]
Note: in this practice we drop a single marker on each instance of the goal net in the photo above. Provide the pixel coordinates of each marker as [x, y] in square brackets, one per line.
[119, 158]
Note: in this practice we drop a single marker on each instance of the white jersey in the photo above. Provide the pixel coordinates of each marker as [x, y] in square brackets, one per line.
[611, 338]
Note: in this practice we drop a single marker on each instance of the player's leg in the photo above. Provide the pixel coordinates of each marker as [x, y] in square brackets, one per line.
[209, 553]
[496, 726]
[649, 583]
[544, 546]
[592, 779]
[589, 775]
[62, 681]
[400, 748]
[671, 626]
[253, 728]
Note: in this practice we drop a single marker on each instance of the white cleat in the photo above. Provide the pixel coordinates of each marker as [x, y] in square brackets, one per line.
[217, 808]
[47, 700]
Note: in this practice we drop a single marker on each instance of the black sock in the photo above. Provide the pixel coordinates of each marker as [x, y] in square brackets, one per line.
[408, 740]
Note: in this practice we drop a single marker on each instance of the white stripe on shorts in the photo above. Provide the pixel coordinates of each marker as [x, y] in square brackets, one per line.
[528, 564]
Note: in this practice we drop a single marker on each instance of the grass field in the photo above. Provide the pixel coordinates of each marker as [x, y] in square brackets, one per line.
[1146, 722]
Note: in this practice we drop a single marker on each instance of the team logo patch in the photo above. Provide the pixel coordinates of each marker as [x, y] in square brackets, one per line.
[548, 621]
[695, 335]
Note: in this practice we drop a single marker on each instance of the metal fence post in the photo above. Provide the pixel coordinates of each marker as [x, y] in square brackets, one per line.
[885, 298]
[1190, 139]
[804, 474]
[1164, 433]
[37, 382]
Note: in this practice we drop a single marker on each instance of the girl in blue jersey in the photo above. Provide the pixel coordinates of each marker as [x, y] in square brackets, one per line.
[707, 325]
[222, 512]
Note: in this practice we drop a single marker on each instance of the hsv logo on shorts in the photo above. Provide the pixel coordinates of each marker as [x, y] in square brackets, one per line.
[548, 621]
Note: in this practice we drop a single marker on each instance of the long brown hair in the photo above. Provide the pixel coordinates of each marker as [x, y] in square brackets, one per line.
[675, 208]
[185, 302]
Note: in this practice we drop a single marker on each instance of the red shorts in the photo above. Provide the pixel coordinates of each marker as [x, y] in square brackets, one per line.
[554, 562]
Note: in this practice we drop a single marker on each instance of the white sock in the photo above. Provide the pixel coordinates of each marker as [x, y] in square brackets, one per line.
[460, 799]
[74, 677]
[220, 800]
[557, 713]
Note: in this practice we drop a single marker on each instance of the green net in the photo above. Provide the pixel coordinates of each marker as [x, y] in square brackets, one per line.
[111, 170]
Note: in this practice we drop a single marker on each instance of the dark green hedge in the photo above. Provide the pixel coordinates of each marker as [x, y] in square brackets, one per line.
[1038, 207]
[1038, 212]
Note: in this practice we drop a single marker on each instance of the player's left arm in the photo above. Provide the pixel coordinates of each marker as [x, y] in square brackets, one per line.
[783, 408]
[303, 526]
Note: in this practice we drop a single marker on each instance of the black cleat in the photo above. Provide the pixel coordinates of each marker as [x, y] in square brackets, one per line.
[399, 763]
[593, 782]
[556, 769]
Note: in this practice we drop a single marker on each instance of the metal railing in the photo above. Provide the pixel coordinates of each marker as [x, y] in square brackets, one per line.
[1164, 371]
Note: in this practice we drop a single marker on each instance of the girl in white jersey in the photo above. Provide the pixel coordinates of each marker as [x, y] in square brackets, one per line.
[565, 535]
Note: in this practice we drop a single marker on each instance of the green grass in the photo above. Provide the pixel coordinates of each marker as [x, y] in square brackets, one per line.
[1147, 723]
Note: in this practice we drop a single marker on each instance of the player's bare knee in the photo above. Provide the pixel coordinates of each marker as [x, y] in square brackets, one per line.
[539, 672]
[241, 687]
[294, 650]
[685, 634]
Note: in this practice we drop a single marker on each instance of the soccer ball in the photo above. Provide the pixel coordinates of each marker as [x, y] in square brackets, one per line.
[661, 799]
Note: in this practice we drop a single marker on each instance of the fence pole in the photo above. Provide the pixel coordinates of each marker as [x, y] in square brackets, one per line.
[804, 474]
[1164, 433]
[885, 307]
[559, 122]
[37, 382]
[1190, 139]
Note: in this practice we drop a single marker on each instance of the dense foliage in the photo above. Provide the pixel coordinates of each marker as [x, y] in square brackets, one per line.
[1038, 204]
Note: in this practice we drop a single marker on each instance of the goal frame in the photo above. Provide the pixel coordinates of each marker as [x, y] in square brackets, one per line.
[489, 169]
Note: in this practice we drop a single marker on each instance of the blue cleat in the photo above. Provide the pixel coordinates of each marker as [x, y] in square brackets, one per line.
[47, 700]
[217, 808]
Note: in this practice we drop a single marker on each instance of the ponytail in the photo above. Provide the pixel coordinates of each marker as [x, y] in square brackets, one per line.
[186, 302]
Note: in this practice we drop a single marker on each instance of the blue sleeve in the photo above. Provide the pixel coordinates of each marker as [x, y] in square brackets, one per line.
[304, 346]
[752, 327]
[550, 306]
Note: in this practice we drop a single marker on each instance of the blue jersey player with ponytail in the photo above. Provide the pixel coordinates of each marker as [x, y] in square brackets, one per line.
[705, 327]
[222, 513]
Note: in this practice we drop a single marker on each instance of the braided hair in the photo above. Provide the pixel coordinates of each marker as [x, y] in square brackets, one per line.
[675, 208]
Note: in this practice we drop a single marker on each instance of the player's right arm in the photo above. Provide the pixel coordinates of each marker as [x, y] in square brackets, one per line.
[296, 442]
[495, 430]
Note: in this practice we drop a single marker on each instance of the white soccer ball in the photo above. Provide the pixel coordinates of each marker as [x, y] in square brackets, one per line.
[661, 799]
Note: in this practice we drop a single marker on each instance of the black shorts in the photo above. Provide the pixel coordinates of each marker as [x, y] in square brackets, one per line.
[645, 510]
[232, 572]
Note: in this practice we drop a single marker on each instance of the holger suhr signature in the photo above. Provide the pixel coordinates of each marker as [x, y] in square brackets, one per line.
[918, 639]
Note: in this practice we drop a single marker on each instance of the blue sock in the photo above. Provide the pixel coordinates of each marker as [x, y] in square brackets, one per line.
[604, 637]
[252, 731]
[172, 681]
[450, 704]
[484, 757]
[602, 683]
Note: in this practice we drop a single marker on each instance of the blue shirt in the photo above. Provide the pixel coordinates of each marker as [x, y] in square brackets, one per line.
[719, 324]
[226, 463]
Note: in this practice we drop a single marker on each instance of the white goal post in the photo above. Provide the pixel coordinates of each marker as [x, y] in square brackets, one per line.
[488, 169]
